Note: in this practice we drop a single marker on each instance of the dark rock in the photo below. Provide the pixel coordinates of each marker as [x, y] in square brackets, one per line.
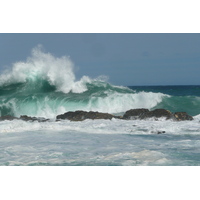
[7, 117]
[82, 115]
[158, 113]
[182, 116]
[158, 132]
[136, 113]
[27, 118]
[23, 117]
[145, 113]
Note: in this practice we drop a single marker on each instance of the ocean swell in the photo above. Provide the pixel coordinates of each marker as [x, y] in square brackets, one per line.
[45, 86]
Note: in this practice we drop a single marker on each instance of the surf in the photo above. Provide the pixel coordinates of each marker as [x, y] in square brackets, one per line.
[45, 86]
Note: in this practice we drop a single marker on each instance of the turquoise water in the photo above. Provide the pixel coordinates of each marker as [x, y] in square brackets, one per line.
[185, 98]
[45, 86]
[103, 142]
[43, 100]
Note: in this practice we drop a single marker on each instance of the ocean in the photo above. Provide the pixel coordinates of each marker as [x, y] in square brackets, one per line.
[45, 86]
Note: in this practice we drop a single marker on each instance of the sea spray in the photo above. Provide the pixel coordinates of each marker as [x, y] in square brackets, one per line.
[45, 86]
[42, 66]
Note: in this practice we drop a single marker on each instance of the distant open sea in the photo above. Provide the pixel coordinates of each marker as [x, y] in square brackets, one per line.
[45, 86]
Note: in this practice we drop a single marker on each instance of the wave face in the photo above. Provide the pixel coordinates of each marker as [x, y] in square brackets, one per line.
[177, 98]
[45, 86]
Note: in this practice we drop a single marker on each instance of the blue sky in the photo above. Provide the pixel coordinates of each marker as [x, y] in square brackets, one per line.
[126, 58]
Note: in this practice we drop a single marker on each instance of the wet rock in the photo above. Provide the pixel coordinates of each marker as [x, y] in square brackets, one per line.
[158, 113]
[182, 116]
[145, 113]
[82, 115]
[7, 117]
[28, 118]
[136, 113]
[158, 132]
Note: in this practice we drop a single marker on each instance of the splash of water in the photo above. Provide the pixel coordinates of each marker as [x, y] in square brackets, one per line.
[57, 72]
[45, 86]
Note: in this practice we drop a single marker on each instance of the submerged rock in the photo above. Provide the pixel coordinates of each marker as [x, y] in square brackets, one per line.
[27, 118]
[158, 132]
[7, 117]
[82, 115]
[23, 117]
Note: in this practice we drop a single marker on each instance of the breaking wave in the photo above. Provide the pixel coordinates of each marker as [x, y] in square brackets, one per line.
[45, 86]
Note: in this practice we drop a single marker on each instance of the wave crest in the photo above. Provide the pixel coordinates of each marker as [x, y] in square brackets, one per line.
[45, 86]
[57, 72]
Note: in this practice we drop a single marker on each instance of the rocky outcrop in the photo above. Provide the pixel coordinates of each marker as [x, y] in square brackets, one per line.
[132, 114]
[182, 116]
[136, 114]
[27, 118]
[157, 113]
[82, 115]
[145, 113]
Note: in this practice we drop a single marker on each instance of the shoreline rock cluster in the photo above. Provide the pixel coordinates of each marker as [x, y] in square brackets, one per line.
[157, 113]
[132, 114]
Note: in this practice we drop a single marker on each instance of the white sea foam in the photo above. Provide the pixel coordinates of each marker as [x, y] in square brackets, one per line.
[112, 102]
[142, 158]
[197, 117]
[57, 71]
[116, 102]
[114, 126]
[98, 142]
